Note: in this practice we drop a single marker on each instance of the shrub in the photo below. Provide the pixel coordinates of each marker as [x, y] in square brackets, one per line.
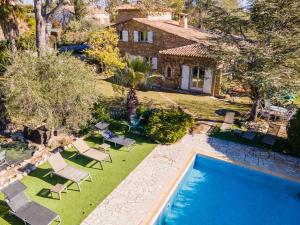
[168, 126]
[294, 131]
[100, 112]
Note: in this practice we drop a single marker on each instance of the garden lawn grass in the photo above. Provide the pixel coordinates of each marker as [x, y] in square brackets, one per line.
[75, 206]
[206, 107]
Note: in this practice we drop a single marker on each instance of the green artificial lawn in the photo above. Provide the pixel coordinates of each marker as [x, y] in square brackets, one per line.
[75, 206]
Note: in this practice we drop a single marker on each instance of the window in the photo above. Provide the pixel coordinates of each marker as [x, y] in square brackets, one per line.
[143, 36]
[197, 77]
[168, 72]
[121, 35]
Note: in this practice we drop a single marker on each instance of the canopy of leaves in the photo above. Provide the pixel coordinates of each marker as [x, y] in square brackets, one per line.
[58, 90]
[293, 131]
[259, 46]
[168, 126]
[103, 50]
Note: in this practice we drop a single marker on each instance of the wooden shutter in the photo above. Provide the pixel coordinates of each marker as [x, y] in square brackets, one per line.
[154, 63]
[125, 35]
[150, 36]
[185, 77]
[136, 36]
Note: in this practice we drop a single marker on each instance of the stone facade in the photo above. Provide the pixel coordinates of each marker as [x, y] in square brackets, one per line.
[161, 40]
[175, 62]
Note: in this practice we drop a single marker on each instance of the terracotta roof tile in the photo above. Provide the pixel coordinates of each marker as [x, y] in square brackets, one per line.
[172, 26]
[195, 50]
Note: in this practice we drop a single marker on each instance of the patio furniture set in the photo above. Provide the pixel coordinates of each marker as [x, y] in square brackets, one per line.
[33, 213]
[269, 138]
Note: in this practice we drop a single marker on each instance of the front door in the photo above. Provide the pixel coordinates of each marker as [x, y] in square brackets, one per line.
[197, 78]
[185, 77]
[208, 80]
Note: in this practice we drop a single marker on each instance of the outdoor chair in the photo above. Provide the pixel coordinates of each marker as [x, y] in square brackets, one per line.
[250, 134]
[3, 161]
[271, 135]
[289, 114]
[29, 211]
[62, 169]
[94, 154]
[228, 121]
[117, 140]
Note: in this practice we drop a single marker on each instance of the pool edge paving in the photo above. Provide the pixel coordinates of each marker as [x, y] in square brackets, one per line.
[139, 197]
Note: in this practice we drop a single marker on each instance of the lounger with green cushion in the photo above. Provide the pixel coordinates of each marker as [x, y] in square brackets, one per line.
[30, 212]
[117, 140]
[85, 150]
[271, 135]
[228, 121]
[62, 169]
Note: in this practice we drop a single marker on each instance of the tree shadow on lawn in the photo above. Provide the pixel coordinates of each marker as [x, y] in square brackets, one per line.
[9, 218]
[97, 140]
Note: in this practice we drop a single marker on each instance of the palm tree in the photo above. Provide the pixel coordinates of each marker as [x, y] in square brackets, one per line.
[136, 73]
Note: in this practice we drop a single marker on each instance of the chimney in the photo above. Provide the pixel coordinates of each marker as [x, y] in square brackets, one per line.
[183, 20]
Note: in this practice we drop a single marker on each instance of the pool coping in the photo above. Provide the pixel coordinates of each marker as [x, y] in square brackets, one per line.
[153, 215]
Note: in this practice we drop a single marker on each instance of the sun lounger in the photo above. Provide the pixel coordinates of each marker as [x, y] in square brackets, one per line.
[228, 121]
[30, 212]
[85, 150]
[271, 135]
[117, 140]
[250, 134]
[62, 169]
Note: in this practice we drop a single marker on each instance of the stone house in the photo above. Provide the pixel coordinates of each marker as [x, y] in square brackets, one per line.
[92, 13]
[176, 50]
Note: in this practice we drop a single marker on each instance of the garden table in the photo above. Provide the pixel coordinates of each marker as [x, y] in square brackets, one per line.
[278, 111]
[58, 188]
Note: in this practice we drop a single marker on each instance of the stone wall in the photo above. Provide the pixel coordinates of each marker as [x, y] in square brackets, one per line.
[175, 63]
[161, 40]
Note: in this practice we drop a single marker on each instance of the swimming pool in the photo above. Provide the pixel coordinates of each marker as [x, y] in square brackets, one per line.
[214, 192]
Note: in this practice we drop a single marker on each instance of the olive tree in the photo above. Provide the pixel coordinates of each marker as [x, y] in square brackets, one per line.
[52, 89]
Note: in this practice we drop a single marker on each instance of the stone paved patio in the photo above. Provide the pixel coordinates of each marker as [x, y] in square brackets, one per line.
[131, 202]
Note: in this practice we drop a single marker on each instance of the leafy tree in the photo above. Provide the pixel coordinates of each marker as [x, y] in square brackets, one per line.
[4, 56]
[10, 12]
[293, 131]
[112, 6]
[259, 46]
[103, 49]
[58, 90]
[79, 8]
[137, 72]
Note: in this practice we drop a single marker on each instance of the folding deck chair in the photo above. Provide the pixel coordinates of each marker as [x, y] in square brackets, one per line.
[94, 154]
[228, 121]
[271, 136]
[62, 169]
[29, 211]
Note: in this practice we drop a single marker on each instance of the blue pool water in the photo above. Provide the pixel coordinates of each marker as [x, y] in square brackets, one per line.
[214, 192]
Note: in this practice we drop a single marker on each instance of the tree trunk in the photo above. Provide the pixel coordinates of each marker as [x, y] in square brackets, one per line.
[41, 43]
[255, 108]
[43, 17]
[11, 31]
[132, 104]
